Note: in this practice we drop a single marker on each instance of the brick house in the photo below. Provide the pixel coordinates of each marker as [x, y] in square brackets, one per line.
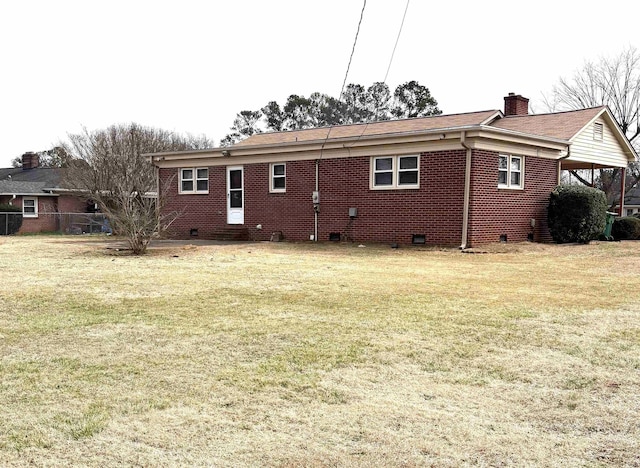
[37, 190]
[462, 179]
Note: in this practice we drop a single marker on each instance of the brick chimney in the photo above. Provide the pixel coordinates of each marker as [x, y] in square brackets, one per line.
[30, 160]
[514, 104]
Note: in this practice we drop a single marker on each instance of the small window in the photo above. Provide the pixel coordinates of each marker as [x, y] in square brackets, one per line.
[408, 170]
[383, 172]
[194, 180]
[278, 177]
[598, 131]
[30, 207]
[395, 172]
[510, 171]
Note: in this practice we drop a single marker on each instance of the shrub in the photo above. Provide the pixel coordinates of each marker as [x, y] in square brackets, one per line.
[637, 215]
[576, 213]
[627, 227]
[9, 222]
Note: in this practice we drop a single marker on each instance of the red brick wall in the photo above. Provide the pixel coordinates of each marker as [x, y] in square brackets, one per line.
[290, 212]
[69, 204]
[43, 222]
[435, 209]
[206, 213]
[494, 212]
[48, 210]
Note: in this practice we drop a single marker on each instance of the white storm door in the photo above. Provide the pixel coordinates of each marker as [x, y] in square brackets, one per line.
[235, 195]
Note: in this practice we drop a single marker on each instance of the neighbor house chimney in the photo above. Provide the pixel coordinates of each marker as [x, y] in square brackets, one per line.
[30, 160]
[514, 104]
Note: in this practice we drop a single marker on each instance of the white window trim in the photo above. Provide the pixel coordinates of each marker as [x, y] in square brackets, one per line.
[508, 185]
[35, 205]
[395, 170]
[194, 179]
[272, 176]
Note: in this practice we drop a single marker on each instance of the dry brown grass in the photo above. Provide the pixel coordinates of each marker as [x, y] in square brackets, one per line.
[318, 355]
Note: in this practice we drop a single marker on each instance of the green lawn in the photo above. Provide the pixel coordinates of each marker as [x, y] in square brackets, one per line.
[318, 355]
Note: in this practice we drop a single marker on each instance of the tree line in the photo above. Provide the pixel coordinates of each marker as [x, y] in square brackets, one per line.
[356, 104]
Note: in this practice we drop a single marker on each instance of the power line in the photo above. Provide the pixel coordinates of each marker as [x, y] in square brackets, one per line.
[352, 50]
[355, 41]
[396, 44]
[406, 8]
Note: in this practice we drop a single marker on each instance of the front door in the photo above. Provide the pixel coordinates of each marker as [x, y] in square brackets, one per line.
[235, 195]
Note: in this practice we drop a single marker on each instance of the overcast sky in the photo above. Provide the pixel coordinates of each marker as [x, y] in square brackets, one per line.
[190, 66]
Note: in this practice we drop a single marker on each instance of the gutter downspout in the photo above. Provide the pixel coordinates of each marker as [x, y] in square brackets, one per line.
[158, 198]
[560, 162]
[315, 210]
[467, 193]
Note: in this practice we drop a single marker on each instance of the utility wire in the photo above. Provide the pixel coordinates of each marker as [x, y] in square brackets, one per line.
[396, 44]
[344, 82]
[406, 8]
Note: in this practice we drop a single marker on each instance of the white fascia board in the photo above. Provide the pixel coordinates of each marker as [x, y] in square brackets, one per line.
[196, 157]
[27, 194]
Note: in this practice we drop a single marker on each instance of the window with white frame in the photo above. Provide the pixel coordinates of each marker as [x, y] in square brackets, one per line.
[30, 207]
[395, 172]
[278, 177]
[194, 180]
[510, 171]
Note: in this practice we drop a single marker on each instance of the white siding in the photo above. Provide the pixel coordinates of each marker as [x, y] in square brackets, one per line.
[607, 152]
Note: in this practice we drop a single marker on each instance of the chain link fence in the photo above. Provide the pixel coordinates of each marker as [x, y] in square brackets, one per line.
[63, 223]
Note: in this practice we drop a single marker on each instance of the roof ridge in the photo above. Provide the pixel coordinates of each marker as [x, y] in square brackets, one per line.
[555, 113]
[372, 122]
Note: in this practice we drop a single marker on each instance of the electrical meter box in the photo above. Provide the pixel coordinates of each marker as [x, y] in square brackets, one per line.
[315, 197]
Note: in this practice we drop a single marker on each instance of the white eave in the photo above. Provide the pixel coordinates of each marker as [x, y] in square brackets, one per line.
[29, 194]
[483, 131]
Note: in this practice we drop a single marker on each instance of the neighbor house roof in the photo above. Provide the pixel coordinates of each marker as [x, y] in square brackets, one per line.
[633, 197]
[36, 181]
[561, 125]
[17, 187]
[373, 128]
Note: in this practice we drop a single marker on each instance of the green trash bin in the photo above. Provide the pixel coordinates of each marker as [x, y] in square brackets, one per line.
[609, 225]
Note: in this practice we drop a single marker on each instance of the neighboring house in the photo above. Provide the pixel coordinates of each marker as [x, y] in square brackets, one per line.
[37, 190]
[632, 202]
[462, 179]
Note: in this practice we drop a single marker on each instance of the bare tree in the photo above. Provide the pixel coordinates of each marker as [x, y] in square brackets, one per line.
[610, 81]
[108, 167]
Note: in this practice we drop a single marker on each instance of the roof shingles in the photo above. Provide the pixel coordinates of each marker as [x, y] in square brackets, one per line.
[386, 127]
[561, 125]
[31, 181]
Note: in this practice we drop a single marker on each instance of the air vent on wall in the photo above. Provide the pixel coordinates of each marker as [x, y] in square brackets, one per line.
[418, 239]
[598, 131]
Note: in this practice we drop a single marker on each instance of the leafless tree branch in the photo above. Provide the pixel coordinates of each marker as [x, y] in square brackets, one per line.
[108, 166]
[614, 82]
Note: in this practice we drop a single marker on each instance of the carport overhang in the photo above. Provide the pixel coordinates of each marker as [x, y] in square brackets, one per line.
[569, 164]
